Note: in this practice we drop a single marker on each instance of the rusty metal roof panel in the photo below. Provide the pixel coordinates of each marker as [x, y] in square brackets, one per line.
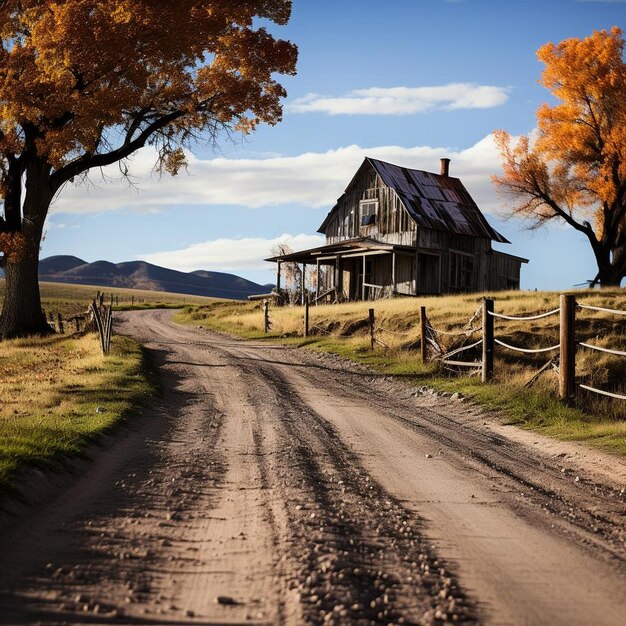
[436, 202]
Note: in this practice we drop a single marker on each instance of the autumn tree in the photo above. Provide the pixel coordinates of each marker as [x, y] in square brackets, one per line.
[574, 170]
[86, 83]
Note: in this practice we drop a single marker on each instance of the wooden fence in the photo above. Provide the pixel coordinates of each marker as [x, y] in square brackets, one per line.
[563, 361]
[97, 318]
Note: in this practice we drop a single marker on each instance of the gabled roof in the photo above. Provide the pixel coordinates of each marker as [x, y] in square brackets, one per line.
[434, 201]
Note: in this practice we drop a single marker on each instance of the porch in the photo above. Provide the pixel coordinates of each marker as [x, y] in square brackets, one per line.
[363, 269]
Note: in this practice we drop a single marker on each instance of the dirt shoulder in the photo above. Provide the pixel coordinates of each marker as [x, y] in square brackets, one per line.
[278, 486]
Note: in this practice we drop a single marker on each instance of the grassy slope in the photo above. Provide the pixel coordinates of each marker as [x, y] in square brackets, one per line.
[51, 390]
[337, 329]
[73, 299]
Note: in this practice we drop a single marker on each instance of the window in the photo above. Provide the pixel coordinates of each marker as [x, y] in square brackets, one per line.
[461, 271]
[368, 212]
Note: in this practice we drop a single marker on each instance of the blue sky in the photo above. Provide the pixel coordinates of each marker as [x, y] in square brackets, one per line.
[408, 81]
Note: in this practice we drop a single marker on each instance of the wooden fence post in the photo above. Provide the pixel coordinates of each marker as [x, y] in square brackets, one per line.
[423, 340]
[488, 340]
[98, 320]
[60, 323]
[567, 360]
[109, 328]
[266, 316]
[306, 317]
[372, 322]
[132, 301]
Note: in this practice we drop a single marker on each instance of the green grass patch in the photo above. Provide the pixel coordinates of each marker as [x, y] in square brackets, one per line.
[598, 422]
[58, 394]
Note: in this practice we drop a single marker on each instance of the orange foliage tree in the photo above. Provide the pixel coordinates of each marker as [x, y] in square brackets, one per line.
[85, 83]
[574, 170]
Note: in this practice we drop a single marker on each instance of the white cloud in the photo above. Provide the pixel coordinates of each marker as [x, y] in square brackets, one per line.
[311, 179]
[404, 100]
[316, 180]
[230, 254]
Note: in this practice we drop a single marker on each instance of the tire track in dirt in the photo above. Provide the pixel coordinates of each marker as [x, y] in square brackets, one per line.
[360, 557]
[515, 481]
[300, 489]
[593, 512]
[163, 524]
[349, 552]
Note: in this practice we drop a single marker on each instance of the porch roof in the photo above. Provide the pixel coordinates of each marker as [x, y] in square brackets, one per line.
[361, 245]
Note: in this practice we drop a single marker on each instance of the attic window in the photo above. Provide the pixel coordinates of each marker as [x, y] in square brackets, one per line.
[368, 210]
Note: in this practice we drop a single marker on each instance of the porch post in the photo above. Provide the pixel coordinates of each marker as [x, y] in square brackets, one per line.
[317, 286]
[278, 276]
[303, 286]
[363, 281]
[338, 279]
[393, 273]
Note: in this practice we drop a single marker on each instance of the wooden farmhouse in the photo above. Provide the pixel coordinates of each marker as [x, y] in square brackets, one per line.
[398, 231]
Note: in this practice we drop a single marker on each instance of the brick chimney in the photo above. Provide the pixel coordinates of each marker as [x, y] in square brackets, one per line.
[445, 167]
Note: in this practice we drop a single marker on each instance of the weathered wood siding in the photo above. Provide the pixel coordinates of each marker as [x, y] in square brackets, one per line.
[393, 223]
[405, 274]
[503, 272]
[443, 262]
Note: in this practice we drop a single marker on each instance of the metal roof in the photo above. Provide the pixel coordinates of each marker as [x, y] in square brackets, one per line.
[436, 202]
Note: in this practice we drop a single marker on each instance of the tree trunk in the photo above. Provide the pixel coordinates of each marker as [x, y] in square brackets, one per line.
[611, 264]
[21, 313]
[610, 277]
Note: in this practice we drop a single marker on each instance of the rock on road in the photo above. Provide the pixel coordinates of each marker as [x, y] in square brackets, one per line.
[271, 485]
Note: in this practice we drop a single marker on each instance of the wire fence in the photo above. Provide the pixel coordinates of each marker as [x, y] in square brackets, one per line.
[614, 352]
[479, 354]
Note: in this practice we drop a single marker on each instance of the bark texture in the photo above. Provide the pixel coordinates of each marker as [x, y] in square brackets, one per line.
[21, 313]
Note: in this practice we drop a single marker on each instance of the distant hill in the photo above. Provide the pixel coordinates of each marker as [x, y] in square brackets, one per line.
[142, 275]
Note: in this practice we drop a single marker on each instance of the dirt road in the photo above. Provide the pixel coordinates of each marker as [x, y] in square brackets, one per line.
[271, 485]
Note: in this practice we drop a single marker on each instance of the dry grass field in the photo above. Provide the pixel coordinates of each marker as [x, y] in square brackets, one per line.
[342, 329]
[72, 300]
[51, 389]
